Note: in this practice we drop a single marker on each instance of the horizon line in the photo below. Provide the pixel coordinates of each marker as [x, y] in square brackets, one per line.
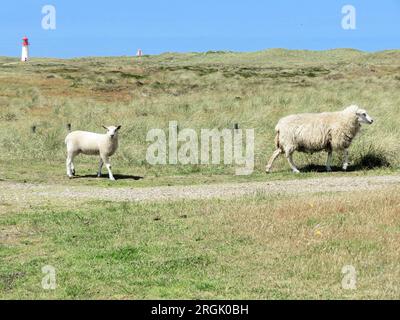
[208, 52]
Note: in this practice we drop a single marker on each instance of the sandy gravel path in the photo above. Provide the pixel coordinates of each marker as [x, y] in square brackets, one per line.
[11, 191]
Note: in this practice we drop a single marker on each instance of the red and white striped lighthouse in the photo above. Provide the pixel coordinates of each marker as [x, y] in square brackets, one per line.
[25, 49]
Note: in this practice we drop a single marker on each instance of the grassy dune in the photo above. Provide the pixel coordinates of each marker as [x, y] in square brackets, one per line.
[199, 90]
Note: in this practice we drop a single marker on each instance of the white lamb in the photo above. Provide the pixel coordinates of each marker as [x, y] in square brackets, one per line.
[313, 132]
[91, 143]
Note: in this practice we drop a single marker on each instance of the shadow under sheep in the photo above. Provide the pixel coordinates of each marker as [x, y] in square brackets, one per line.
[368, 161]
[116, 176]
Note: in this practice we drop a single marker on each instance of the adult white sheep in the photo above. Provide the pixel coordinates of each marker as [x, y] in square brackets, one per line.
[91, 143]
[313, 132]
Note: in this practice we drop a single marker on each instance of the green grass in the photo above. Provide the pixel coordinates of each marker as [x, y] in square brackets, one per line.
[199, 90]
[54, 173]
[261, 247]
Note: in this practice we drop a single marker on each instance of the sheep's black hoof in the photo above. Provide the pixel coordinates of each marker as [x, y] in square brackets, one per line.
[73, 172]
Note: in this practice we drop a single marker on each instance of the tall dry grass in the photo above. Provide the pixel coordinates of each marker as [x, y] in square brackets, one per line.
[199, 90]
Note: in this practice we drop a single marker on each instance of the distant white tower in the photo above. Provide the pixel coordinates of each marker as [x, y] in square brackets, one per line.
[25, 49]
[139, 53]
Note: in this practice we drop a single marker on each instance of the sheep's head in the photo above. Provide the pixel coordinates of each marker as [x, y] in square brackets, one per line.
[361, 114]
[112, 131]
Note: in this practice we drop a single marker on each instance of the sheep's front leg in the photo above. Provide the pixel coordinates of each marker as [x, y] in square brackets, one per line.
[106, 160]
[275, 155]
[289, 156]
[329, 161]
[346, 160]
[100, 167]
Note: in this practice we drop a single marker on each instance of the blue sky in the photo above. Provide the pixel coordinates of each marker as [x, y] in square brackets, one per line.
[120, 27]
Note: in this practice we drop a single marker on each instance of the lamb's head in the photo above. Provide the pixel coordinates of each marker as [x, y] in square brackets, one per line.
[361, 114]
[112, 131]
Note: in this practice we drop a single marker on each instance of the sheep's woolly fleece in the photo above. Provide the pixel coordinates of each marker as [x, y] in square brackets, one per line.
[310, 132]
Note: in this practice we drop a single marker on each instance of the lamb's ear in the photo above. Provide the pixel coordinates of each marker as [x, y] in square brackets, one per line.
[105, 127]
[118, 127]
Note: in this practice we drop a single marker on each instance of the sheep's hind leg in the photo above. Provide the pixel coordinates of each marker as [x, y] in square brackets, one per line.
[69, 166]
[72, 168]
[329, 161]
[275, 155]
[346, 160]
[100, 167]
[289, 156]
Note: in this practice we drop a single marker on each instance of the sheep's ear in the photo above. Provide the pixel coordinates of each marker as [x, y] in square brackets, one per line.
[105, 127]
[118, 127]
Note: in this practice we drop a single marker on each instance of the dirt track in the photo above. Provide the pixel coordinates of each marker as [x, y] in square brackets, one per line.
[25, 192]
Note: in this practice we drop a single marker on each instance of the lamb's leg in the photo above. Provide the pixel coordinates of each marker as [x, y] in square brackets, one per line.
[100, 167]
[275, 155]
[289, 156]
[106, 160]
[346, 159]
[72, 168]
[329, 161]
[69, 163]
